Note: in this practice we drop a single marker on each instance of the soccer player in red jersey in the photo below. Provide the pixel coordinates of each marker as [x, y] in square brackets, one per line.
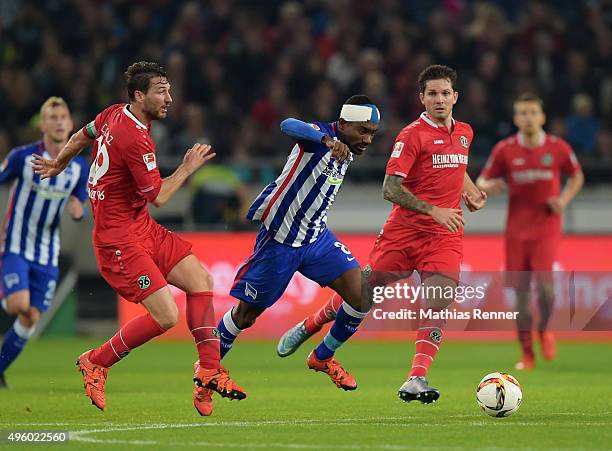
[530, 163]
[135, 255]
[425, 180]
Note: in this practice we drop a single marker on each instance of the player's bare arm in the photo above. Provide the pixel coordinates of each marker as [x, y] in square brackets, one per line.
[473, 197]
[394, 191]
[490, 186]
[51, 167]
[572, 187]
[194, 159]
[76, 208]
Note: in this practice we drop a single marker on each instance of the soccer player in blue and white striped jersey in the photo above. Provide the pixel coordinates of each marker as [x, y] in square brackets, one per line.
[294, 236]
[30, 238]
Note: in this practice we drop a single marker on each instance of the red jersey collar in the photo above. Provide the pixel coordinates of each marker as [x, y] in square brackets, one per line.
[426, 118]
[129, 114]
[520, 138]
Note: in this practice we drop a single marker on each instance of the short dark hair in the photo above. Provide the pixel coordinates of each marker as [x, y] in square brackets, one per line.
[437, 72]
[359, 99]
[530, 97]
[138, 76]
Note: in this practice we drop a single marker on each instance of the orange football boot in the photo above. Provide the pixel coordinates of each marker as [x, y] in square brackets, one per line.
[334, 370]
[94, 378]
[202, 397]
[548, 345]
[218, 380]
[527, 362]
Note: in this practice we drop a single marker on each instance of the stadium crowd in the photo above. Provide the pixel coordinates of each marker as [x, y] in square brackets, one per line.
[238, 67]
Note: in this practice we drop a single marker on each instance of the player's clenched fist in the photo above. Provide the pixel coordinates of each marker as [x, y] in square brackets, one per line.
[449, 217]
[197, 156]
[340, 151]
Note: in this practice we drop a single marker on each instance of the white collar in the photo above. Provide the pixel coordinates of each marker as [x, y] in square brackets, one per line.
[521, 139]
[430, 122]
[129, 114]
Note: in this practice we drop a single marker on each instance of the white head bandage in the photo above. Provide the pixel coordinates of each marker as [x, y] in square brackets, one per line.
[360, 113]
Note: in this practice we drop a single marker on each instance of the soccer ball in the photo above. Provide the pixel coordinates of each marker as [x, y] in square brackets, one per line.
[499, 394]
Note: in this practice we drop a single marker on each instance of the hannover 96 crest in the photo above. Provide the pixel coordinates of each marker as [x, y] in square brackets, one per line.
[144, 282]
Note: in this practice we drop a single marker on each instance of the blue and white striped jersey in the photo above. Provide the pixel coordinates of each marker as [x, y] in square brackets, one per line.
[31, 225]
[294, 207]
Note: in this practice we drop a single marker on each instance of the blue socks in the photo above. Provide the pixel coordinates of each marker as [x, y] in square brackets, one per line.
[14, 341]
[346, 324]
[228, 331]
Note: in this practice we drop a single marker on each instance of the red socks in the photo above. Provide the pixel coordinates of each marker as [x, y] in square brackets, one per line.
[201, 322]
[324, 315]
[136, 332]
[526, 341]
[428, 340]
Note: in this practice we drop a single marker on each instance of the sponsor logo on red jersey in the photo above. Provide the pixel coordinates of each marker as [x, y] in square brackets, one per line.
[532, 175]
[448, 160]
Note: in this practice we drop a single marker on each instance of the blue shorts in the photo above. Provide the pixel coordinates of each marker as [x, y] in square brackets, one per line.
[21, 274]
[265, 275]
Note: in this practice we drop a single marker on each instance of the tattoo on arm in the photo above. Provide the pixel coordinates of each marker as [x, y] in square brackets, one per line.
[393, 191]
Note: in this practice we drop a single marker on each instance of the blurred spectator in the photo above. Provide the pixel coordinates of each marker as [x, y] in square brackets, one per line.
[582, 126]
[219, 197]
[604, 145]
[475, 104]
[557, 126]
[194, 129]
[4, 145]
[238, 67]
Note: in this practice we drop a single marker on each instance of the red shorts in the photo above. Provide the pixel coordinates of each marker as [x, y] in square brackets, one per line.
[527, 255]
[137, 270]
[404, 249]
[531, 254]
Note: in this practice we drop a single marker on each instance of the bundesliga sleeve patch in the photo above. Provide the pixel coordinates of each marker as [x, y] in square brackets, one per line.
[149, 159]
[397, 149]
[316, 127]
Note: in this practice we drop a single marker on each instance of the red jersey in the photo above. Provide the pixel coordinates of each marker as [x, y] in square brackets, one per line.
[432, 161]
[533, 176]
[122, 178]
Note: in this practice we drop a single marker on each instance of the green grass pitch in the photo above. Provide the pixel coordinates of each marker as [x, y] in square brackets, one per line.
[567, 402]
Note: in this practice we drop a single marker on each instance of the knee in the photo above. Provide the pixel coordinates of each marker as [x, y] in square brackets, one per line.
[203, 281]
[17, 308]
[168, 322]
[207, 281]
[169, 319]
